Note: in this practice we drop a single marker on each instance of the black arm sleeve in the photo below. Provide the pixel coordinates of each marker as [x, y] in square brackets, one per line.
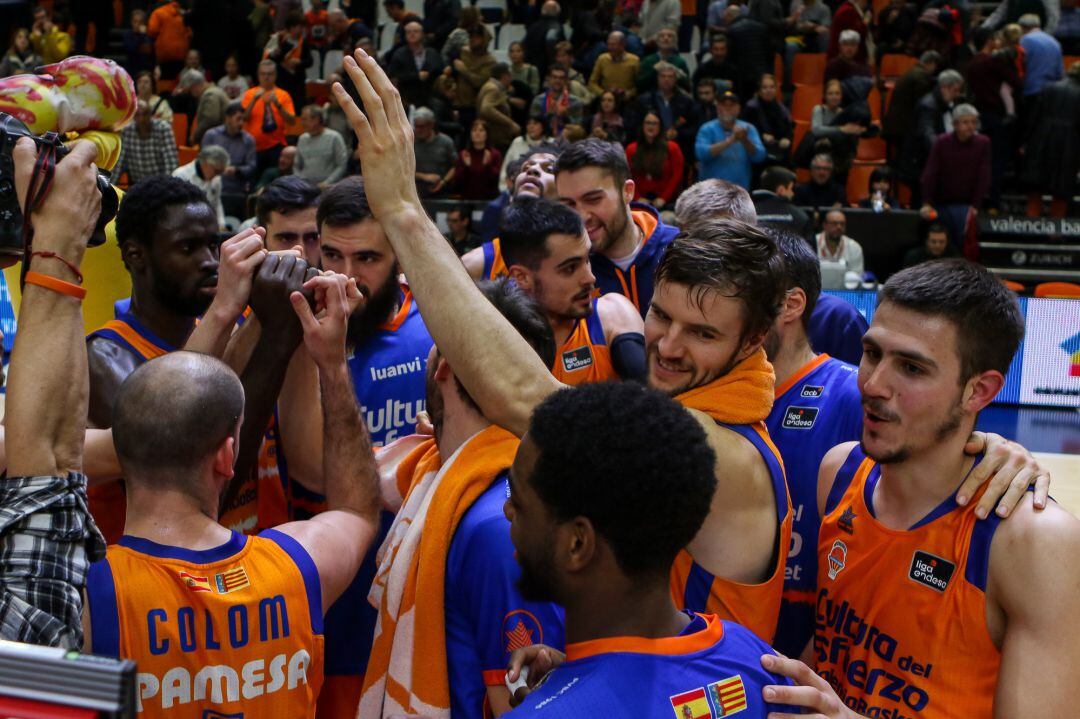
[628, 356]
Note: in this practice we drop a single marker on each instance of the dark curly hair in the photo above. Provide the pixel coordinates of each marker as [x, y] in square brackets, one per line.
[144, 205]
[632, 461]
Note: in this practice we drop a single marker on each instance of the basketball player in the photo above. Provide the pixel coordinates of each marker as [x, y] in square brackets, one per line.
[704, 339]
[599, 338]
[535, 179]
[286, 210]
[711, 199]
[924, 609]
[220, 623]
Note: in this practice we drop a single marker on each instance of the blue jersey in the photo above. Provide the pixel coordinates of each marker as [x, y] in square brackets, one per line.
[636, 281]
[837, 328]
[388, 374]
[712, 669]
[815, 410]
[486, 616]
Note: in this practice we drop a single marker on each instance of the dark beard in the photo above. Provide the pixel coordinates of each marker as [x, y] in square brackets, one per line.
[537, 581]
[366, 320]
[172, 297]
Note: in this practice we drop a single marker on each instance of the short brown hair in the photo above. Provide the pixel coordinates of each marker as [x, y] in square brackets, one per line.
[734, 259]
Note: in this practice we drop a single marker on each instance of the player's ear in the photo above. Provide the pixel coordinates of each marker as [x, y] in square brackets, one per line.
[442, 369]
[628, 191]
[794, 305]
[981, 389]
[522, 277]
[134, 255]
[579, 543]
[225, 458]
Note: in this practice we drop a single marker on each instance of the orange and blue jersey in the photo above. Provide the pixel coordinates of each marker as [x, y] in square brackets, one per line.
[755, 606]
[494, 264]
[486, 616]
[585, 355]
[816, 409]
[636, 281]
[711, 669]
[900, 621]
[226, 632]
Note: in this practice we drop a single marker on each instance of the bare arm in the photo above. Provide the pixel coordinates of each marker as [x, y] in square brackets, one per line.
[830, 465]
[474, 263]
[109, 365]
[301, 418]
[619, 316]
[468, 330]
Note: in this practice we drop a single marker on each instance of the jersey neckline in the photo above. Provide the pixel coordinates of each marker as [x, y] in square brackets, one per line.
[195, 556]
[684, 643]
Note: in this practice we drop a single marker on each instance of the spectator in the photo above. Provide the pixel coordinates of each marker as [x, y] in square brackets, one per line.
[607, 123]
[321, 154]
[205, 173]
[414, 67]
[717, 18]
[267, 109]
[957, 174]
[20, 59]
[291, 57]
[1068, 29]
[48, 38]
[667, 51]
[750, 43]
[895, 25]
[459, 36]
[577, 83]
[138, 46]
[933, 117]
[147, 147]
[232, 82]
[839, 254]
[1052, 156]
[556, 107]
[935, 247]
[771, 118]
[657, 15]
[705, 105]
[770, 13]
[822, 190]
[240, 145]
[534, 136]
[846, 63]
[435, 155]
[283, 168]
[212, 101]
[616, 69]
[543, 35]
[572, 133]
[492, 214]
[478, 165]
[344, 32]
[395, 9]
[656, 164]
[317, 20]
[444, 107]
[726, 147]
[522, 71]
[992, 81]
[262, 23]
[440, 19]
[171, 36]
[850, 15]
[146, 90]
[774, 206]
[461, 235]
[193, 61]
[880, 190]
[711, 200]
[909, 89]
[1043, 62]
[808, 24]
[473, 68]
[1010, 11]
[493, 107]
[630, 26]
[832, 129]
[675, 108]
[718, 66]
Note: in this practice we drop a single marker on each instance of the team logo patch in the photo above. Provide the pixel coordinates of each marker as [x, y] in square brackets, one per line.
[837, 558]
[521, 629]
[847, 521]
[800, 417]
[931, 571]
[576, 359]
[232, 580]
[211, 714]
[693, 704]
[195, 583]
[812, 390]
[727, 696]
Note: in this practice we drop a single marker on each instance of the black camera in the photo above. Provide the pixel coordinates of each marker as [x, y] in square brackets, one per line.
[11, 218]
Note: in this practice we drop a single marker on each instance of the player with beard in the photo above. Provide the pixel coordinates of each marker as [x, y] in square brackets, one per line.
[535, 179]
[388, 346]
[599, 338]
[592, 177]
[924, 608]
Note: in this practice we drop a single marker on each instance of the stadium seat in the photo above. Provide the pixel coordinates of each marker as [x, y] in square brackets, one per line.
[804, 100]
[314, 72]
[317, 91]
[1014, 286]
[185, 153]
[493, 30]
[874, 101]
[871, 151]
[691, 61]
[778, 70]
[510, 33]
[501, 55]
[294, 128]
[386, 37]
[1067, 290]
[802, 175]
[858, 180]
[893, 66]
[808, 68]
[332, 63]
[903, 194]
[180, 128]
[801, 128]
[1070, 59]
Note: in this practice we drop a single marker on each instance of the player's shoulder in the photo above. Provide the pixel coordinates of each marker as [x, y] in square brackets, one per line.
[830, 465]
[483, 532]
[474, 261]
[1031, 534]
[618, 315]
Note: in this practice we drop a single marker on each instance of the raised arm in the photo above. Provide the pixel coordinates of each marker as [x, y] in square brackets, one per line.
[498, 368]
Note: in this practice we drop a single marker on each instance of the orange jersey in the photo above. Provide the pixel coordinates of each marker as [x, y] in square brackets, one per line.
[755, 606]
[230, 631]
[585, 355]
[494, 264]
[900, 623]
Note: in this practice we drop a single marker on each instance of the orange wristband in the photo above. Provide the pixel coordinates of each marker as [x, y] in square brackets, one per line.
[52, 283]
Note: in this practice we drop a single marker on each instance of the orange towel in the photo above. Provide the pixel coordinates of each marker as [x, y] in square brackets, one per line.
[407, 672]
[742, 396]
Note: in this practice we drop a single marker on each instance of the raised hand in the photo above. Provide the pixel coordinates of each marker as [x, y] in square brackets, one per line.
[279, 277]
[241, 256]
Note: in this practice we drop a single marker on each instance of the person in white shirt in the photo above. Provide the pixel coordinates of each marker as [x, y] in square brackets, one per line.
[205, 173]
[839, 254]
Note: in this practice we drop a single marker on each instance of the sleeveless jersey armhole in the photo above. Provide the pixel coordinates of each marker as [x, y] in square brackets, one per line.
[310, 573]
[104, 612]
[844, 476]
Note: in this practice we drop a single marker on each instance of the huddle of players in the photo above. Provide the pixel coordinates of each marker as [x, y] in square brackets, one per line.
[623, 502]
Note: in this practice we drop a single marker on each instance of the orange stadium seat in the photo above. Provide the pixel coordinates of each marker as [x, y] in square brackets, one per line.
[185, 153]
[874, 101]
[778, 70]
[871, 151]
[858, 180]
[801, 128]
[802, 175]
[808, 68]
[180, 128]
[1014, 286]
[893, 66]
[317, 91]
[1070, 59]
[804, 100]
[1066, 290]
